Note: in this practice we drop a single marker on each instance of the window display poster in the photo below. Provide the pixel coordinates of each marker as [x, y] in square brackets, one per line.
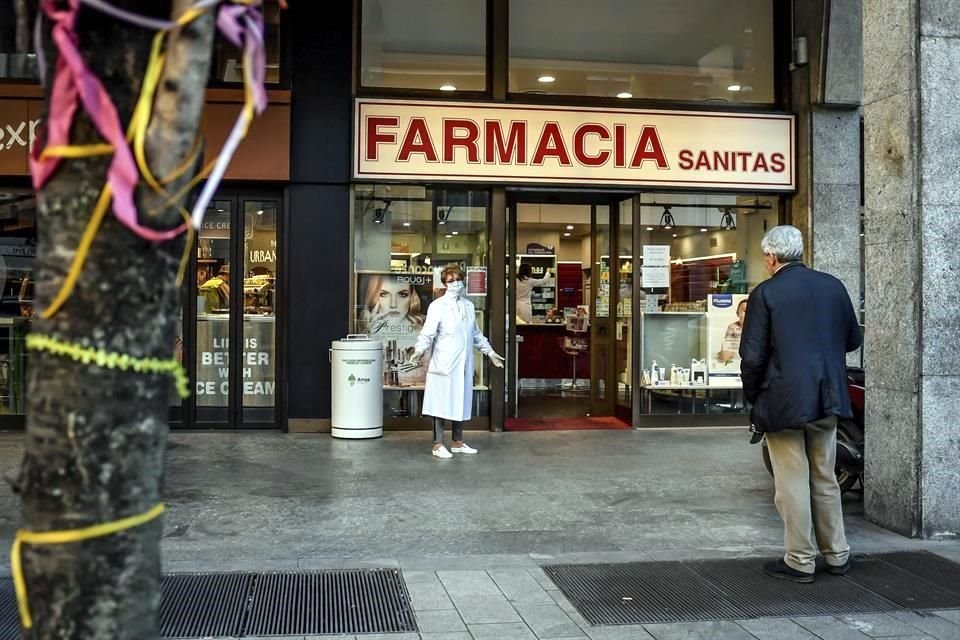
[656, 266]
[725, 314]
[476, 281]
[392, 308]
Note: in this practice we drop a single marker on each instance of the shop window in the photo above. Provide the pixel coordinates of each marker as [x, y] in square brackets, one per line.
[227, 64]
[403, 237]
[699, 261]
[436, 45]
[697, 50]
[17, 59]
[18, 252]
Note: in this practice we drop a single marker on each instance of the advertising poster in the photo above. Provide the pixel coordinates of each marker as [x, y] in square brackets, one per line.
[476, 281]
[725, 314]
[392, 308]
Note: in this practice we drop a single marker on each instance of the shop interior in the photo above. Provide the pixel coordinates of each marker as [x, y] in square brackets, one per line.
[672, 303]
[18, 252]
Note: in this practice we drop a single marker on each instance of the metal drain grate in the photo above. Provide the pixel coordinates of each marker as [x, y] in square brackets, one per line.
[195, 605]
[9, 617]
[650, 592]
[222, 605]
[334, 602]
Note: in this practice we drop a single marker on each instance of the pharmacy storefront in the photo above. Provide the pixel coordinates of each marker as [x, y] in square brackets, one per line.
[631, 239]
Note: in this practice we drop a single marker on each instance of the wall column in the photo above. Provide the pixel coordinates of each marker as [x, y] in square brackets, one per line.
[912, 161]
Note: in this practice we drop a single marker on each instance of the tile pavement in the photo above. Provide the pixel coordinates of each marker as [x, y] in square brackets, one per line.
[523, 604]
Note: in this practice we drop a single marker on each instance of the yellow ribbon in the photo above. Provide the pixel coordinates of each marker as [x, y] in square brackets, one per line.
[64, 537]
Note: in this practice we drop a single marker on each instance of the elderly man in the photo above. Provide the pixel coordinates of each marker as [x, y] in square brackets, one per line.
[799, 327]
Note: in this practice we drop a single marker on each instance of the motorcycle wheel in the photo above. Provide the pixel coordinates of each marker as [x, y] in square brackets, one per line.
[847, 434]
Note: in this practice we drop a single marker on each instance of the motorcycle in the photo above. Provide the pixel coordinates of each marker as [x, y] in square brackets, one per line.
[850, 447]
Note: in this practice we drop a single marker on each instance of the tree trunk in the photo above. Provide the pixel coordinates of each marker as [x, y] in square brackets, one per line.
[96, 437]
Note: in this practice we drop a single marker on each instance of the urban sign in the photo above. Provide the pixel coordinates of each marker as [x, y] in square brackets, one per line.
[483, 142]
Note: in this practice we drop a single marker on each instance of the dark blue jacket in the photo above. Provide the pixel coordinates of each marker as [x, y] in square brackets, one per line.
[799, 326]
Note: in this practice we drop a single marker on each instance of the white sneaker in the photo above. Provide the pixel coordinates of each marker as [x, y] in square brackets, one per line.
[464, 448]
[442, 452]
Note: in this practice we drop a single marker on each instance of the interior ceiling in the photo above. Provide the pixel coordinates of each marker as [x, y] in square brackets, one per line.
[667, 32]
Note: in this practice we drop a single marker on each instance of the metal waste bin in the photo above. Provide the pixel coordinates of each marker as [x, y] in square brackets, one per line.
[356, 380]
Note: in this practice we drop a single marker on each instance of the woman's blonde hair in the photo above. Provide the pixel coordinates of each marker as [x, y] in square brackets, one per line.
[449, 270]
[375, 285]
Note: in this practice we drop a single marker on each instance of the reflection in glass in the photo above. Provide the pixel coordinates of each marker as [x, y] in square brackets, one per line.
[424, 44]
[258, 357]
[212, 385]
[696, 50]
[227, 62]
[18, 252]
[624, 329]
[17, 59]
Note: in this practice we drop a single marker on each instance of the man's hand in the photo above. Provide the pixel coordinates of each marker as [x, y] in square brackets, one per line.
[496, 359]
[416, 358]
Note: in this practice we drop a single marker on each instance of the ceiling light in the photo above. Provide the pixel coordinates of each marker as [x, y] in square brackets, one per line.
[666, 219]
[624, 95]
[449, 236]
[674, 235]
[442, 222]
[569, 227]
[406, 224]
[546, 78]
[219, 210]
[447, 87]
[456, 233]
[260, 212]
[734, 87]
[566, 234]
[649, 228]
[727, 221]
[703, 229]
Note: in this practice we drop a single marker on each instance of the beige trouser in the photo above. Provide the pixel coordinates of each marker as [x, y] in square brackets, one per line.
[808, 496]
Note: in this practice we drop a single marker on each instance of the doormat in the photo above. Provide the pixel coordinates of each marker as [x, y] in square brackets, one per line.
[705, 590]
[563, 424]
[239, 605]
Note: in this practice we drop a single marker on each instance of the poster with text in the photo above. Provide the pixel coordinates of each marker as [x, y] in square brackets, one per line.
[725, 314]
[392, 308]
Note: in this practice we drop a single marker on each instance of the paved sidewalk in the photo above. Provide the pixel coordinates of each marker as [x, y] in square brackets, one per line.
[470, 533]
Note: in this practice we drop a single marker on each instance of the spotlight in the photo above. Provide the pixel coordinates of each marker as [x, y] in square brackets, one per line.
[666, 219]
[380, 214]
[727, 221]
[649, 228]
[546, 78]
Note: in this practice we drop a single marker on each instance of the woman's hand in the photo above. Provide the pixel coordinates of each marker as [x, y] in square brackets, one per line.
[496, 359]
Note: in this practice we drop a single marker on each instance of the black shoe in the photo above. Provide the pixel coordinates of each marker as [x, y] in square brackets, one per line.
[781, 570]
[839, 570]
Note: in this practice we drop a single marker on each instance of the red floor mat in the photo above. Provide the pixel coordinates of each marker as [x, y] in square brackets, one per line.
[563, 424]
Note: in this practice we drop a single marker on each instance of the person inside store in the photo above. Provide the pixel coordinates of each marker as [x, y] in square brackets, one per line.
[800, 325]
[391, 305]
[452, 333]
[216, 290]
[731, 339]
[525, 284]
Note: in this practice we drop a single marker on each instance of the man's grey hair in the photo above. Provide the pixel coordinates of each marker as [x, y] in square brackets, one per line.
[784, 242]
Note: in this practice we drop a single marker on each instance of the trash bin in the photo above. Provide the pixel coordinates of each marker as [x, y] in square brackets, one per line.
[356, 380]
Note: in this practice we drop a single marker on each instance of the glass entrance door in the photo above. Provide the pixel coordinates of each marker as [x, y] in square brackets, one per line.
[228, 341]
[563, 295]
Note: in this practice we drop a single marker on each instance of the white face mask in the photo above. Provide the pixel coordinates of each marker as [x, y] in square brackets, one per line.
[455, 287]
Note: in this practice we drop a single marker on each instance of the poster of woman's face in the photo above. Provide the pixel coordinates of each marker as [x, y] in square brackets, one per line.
[392, 309]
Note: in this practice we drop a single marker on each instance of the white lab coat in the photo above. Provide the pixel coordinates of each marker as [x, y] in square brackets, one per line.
[524, 293]
[449, 386]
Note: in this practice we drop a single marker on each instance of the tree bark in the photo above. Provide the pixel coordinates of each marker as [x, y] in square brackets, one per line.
[96, 437]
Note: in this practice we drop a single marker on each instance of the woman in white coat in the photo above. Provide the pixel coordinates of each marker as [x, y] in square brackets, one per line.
[525, 284]
[451, 329]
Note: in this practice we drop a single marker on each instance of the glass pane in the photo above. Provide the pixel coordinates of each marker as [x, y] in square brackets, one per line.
[18, 252]
[213, 313]
[603, 263]
[227, 63]
[16, 43]
[552, 292]
[258, 365]
[403, 236]
[424, 44]
[692, 326]
[696, 50]
[624, 334]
